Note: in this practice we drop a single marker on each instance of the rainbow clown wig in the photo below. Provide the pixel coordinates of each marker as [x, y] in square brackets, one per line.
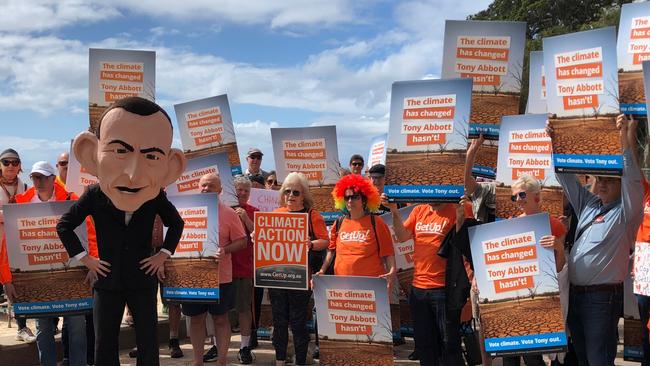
[360, 185]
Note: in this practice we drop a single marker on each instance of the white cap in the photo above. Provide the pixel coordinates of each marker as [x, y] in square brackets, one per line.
[44, 168]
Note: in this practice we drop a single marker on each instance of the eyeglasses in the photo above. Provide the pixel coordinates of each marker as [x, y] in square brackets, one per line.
[290, 192]
[357, 164]
[353, 197]
[10, 162]
[255, 157]
[62, 163]
[521, 195]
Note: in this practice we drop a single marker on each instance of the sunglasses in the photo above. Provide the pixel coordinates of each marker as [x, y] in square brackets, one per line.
[521, 195]
[354, 197]
[255, 157]
[62, 163]
[357, 164]
[10, 162]
[271, 181]
[290, 192]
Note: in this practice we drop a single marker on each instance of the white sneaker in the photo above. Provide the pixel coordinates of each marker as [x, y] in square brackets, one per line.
[25, 335]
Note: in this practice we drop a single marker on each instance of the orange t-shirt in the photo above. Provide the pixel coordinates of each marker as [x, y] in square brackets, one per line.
[644, 230]
[429, 228]
[357, 250]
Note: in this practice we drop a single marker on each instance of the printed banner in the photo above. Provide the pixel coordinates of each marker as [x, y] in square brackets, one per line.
[536, 84]
[47, 281]
[78, 178]
[403, 251]
[583, 103]
[116, 74]
[642, 268]
[519, 295]
[188, 183]
[206, 124]
[281, 250]
[312, 151]
[492, 55]
[192, 274]
[632, 48]
[525, 149]
[427, 140]
[266, 200]
[354, 322]
[377, 153]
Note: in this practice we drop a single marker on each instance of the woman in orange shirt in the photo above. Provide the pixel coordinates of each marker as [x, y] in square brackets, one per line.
[363, 244]
[290, 307]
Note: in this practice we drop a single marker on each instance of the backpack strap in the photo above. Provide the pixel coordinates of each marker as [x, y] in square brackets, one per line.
[374, 230]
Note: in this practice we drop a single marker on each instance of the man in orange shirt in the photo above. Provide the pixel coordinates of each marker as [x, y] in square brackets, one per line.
[427, 225]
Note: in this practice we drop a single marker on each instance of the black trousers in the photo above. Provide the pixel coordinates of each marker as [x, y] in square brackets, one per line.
[290, 308]
[107, 313]
[258, 295]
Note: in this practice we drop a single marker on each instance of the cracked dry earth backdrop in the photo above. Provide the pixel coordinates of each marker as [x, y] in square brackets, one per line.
[339, 353]
[590, 135]
[57, 285]
[425, 169]
[523, 317]
[489, 108]
[630, 87]
[198, 273]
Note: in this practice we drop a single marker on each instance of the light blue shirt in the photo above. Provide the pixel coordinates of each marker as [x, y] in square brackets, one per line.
[601, 254]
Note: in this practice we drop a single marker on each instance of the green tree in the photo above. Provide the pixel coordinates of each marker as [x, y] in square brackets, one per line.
[545, 18]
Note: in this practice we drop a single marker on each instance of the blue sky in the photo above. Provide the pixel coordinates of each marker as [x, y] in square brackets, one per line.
[283, 63]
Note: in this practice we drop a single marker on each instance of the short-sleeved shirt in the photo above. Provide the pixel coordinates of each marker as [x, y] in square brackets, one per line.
[242, 260]
[557, 227]
[643, 235]
[230, 229]
[317, 223]
[429, 228]
[484, 201]
[358, 251]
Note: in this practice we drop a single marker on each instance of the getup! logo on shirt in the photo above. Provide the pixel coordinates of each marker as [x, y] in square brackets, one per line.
[354, 236]
[435, 228]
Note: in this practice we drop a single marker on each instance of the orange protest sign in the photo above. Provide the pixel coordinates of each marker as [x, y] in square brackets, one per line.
[281, 248]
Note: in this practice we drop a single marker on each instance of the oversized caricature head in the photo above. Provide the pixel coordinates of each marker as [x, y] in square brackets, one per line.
[130, 152]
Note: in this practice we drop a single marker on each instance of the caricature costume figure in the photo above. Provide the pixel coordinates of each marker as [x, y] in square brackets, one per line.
[131, 155]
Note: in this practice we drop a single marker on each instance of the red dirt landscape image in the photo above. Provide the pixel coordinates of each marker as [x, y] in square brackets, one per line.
[589, 135]
[59, 285]
[351, 353]
[423, 168]
[630, 87]
[488, 108]
[191, 272]
[522, 317]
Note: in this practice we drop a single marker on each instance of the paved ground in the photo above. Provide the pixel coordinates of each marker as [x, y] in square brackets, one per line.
[264, 354]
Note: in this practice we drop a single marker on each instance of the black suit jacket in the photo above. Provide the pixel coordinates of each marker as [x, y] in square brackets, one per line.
[121, 245]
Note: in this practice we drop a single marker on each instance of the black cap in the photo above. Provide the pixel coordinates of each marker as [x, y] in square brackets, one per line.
[377, 170]
[356, 157]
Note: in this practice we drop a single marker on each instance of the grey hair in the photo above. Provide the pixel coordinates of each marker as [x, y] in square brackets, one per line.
[301, 179]
[242, 180]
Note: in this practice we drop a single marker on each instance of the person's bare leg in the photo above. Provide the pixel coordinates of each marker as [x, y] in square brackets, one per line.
[222, 332]
[174, 311]
[245, 324]
[197, 337]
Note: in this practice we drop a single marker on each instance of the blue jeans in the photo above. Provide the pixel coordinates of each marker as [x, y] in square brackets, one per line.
[644, 308]
[593, 322]
[76, 326]
[429, 318]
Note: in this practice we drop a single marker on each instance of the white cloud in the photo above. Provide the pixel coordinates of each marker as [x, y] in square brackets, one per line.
[41, 15]
[256, 134]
